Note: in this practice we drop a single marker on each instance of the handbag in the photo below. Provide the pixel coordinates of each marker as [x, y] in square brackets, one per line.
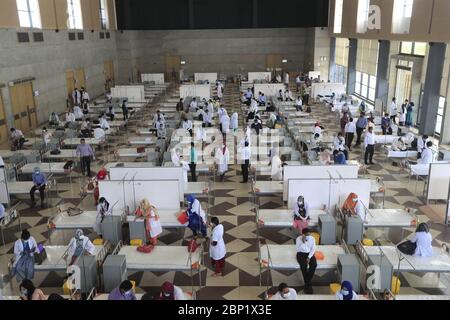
[71, 212]
[39, 257]
[140, 149]
[183, 218]
[408, 247]
[145, 248]
[193, 245]
[55, 151]
[68, 165]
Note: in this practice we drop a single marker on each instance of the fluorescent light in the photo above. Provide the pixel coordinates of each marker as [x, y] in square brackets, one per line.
[183, 62]
[284, 61]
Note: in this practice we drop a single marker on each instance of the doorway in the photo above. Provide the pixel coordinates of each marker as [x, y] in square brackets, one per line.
[403, 82]
[23, 106]
[173, 64]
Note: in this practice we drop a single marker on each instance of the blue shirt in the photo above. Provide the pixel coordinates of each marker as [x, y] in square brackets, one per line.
[85, 150]
[193, 155]
[340, 158]
[39, 179]
[262, 99]
[248, 94]
[117, 295]
[361, 123]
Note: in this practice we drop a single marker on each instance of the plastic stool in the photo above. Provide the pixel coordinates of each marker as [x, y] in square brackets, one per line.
[334, 287]
[136, 242]
[98, 242]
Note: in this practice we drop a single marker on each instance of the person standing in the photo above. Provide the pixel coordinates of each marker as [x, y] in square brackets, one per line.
[125, 110]
[286, 79]
[193, 162]
[225, 124]
[180, 105]
[217, 250]
[361, 125]
[393, 110]
[84, 95]
[350, 129]
[39, 183]
[369, 143]
[24, 249]
[152, 222]
[76, 96]
[223, 158]
[245, 154]
[306, 248]
[409, 114]
[298, 82]
[86, 153]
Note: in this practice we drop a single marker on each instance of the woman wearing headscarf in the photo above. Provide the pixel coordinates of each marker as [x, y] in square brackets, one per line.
[409, 114]
[234, 125]
[103, 209]
[197, 218]
[152, 222]
[346, 292]
[301, 214]
[78, 246]
[223, 158]
[171, 292]
[352, 206]
[217, 250]
[24, 249]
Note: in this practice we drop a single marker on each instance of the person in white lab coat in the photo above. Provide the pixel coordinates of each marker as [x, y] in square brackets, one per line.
[53, 119]
[84, 95]
[193, 105]
[219, 90]
[200, 134]
[299, 104]
[284, 293]
[24, 249]
[423, 240]
[158, 117]
[201, 115]
[288, 95]
[278, 78]
[427, 154]
[70, 117]
[187, 125]
[234, 124]
[223, 158]
[207, 121]
[99, 133]
[103, 122]
[217, 250]
[225, 125]
[78, 246]
[393, 110]
[286, 79]
[78, 112]
[103, 210]
[185, 166]
[46, 136]
[276, 168]
[175, 157]
[421, 144]
[210, 108]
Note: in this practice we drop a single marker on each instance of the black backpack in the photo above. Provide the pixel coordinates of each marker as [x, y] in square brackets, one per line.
[55, 151]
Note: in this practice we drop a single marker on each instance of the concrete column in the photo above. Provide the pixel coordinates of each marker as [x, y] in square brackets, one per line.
[382, 89]
[351, 76]
[332, 70]
[432, 87]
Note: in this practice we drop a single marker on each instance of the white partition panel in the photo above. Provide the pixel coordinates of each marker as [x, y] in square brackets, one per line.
[203, 76]
[195, 90]
[320, 192]
[314, 74]
[153, 173]
[4, 196]
[252, 76]
[157, 78]
[269, 89]
[318, 172]
[163, 194]
[133, 93]
[326, 89]
[438, 181]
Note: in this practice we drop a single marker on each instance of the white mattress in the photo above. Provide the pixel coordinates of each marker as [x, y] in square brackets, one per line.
[86, 220]
[389, 218]
[20, 187]
[53, 167]
[402, 154]
[76, 141]
[54, 261]
[420, 169]
[65, 154]
[110, 165]
[268, 187]
[116, 123]
[285, 217]
[132, 152]
[284, 256]
[195, 187]
[421, 297]
[304, 122]
[168, 218]
[6, 154]
[439, 262]
[385, 139]
[162, 258]
[141, 140]
[262, 167]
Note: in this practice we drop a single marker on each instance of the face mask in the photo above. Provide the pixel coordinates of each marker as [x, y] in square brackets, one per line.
[284, 295]
[355, 200]
[344, 292]
[24, 292]
[300, 203]
[166, 294]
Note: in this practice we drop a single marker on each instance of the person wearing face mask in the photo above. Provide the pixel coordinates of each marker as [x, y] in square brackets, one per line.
[276, 168]
[284, 293]
[346, 292]
[197, 217]
[171, 292]
[149, 213]
[175, 157]
[29, 292]
[185, 166]
[78, 246]
[39, 183]
[223, 158]
[103, 210]
[301, 215]
[225, 124]
[339, 144]
[217, 250]
[306, 248]
[24, 249]
[123, 292]
[352, 206]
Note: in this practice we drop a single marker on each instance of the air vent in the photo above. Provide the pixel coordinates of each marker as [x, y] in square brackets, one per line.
[102, 35]
[72, 36]
[108, 35]
[23, 37]
[80, 36]
[38, 36]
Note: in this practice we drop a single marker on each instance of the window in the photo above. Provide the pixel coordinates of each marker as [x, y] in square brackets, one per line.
[104, 15]
[358, 82]
[341, 74]
[420, 48]
[365, 85]
[440, 115]
[338, 16]
[413, 48]
[362, 16]
[401, 16]
[29, 15]
[75, 17]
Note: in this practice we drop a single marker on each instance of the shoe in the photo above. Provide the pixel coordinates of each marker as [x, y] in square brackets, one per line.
[372, 163]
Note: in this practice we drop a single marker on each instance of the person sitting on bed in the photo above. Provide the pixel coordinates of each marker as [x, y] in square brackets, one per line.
[399, 144]
[301, 214]
[78, 246]
[123, 292]
[339, 157]
[346, 292]
[197, 218]
[422, 238]
[352, 206]
[427, 154]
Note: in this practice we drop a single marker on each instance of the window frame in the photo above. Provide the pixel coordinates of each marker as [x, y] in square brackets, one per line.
[104, 20]
[72, 15]
[338, 14]
[440, 116]
[33, 17]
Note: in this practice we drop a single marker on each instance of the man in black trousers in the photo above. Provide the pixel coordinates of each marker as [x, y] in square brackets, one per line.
[306, 248]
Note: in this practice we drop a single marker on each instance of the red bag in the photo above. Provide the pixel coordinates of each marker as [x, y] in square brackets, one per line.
[145, 248]
[102, 173]
[192, 246]
[183, 218]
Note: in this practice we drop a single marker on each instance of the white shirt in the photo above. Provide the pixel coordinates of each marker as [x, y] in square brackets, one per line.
[421, 144]
[178, 293]
[309, 246]
[369, 139]
[286, 78]
[225, 121]
[218, 251]
[299, 102]
[317, 129]
[297, 80]
[18, 248]
[47, 137]
[161, 118]
[288, 94]
[77, 112]
[234, 121]
[175, 159]
[87, 245]
[423, 241]
[210, 108]
[339, 144]
[427, 156]
[99, 133]
[276, 170]
[185, 167]
[193, 104]
[70, 117]
[245, 153]
[292, 295]
[340, 296]
[360, 211]
[187, 125]
[393, 110]
[76, 95]
[85, 96]
[104, 123]
[200, 134]
[350, 127]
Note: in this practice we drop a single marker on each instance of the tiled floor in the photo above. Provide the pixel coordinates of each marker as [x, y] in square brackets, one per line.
[232, 204]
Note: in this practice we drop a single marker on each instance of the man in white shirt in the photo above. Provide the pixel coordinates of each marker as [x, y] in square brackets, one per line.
[298, 82]
[306, 248]
[70, 117]
[193, 105]
[103, 122]
[99, 133]
[427, 154]
[187, 125]
[76, 96]
[339, 144]
[299, 104]
[393, 110]
[158, 117]
[421, 144]
[245, 155]
[369, 142]
[288, 95]
[78, 112]
[284, 293]
[84, 95]
[47, 136]
[350, 130]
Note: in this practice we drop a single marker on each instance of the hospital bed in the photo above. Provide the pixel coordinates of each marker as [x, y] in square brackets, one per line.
[110, 165]
[283, 218]
[24, 187]
[262, 168]
[141, 141]
[76, 141]
[163, 258]
[168, 218]
[54, 167]
[6, 154]
[310, 297]
[132, 152]
[104, 296]
[304, 122]
[197, 188]
[117, 124]
[385, 139]
[390, 218]
[65, 154]
[86, 220]
[267, 187]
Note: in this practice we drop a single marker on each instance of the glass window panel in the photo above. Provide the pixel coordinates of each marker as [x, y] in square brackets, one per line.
[34, 5]
[364, 91]
[358, 88]
[420, 48]
[365, 79]
[438, 124]
[338, 16]
[406, 47]
[371, 94]
[373, 82]
[24, 19]
[22, 5]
